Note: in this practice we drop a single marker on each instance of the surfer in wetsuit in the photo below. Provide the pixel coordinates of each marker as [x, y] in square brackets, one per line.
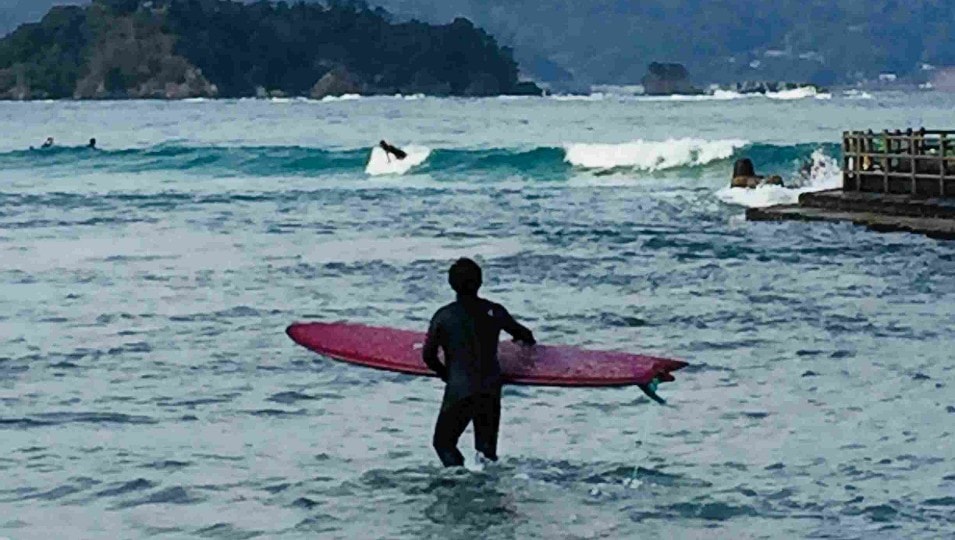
[392, 150]
[468, 331]
[48, 143]
[92, 144]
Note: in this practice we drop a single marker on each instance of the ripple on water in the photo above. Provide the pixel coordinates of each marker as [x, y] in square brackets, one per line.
[710, 511]
[226, 531]
[124, 488]
[61, 418]
[75, 486]
[290, 397]
[167, 464]
[171, 495]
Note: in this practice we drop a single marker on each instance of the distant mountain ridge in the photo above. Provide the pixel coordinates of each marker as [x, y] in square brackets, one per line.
[223, 48]
[719, 41]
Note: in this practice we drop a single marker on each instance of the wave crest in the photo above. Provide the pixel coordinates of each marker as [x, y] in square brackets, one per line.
[651, 155]
[544, 163]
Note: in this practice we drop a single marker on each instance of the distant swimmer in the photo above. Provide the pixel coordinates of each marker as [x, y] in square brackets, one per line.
[92, 144]
[394, 150]
[48, 143]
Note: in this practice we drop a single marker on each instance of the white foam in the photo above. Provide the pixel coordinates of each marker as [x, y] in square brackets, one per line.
[857, 94]
[796, 93]
[578, 97]
[824, 174]
[717, 95]
[380, 163]
[650, 155]
[343, 97]
[803, 92]
[726, 95]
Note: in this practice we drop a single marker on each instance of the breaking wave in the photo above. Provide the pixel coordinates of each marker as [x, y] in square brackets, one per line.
[824, 173]
[544, 162]
[651, 155]
[380, 163]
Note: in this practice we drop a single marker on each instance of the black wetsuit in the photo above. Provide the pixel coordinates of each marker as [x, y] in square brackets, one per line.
[394, 150]
[468, 332]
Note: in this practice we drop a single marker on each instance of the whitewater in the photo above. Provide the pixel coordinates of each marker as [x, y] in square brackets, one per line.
[147, 388]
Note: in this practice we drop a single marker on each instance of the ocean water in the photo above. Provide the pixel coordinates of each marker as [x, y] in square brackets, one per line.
[147, 388]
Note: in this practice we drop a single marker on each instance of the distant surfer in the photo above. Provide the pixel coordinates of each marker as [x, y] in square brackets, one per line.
[392, 150]
[92, 144]
[48, 143]
[467, 332]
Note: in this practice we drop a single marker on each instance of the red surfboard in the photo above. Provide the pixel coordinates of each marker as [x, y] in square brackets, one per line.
[400, 350]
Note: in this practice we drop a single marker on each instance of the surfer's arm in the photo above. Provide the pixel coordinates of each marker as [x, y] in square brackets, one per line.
[517, 330]
[429, 353]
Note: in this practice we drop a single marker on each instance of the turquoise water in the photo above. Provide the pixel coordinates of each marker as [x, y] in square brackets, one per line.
[148, 388]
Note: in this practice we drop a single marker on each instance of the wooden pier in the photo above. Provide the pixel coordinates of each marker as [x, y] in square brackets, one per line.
[901, 181]
[919, 163]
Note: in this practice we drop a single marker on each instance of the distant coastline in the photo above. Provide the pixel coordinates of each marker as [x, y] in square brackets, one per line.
[184, 49]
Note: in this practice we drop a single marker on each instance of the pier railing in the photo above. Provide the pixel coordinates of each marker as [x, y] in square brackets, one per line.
[919, 163]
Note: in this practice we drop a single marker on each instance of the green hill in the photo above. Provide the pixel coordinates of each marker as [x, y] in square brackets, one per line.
[222, 48]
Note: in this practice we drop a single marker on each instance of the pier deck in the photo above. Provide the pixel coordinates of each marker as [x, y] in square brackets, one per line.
[883, 213]
[891, 182]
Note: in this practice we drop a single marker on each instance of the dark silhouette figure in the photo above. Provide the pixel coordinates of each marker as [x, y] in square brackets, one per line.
[467, 331]
[92, 144]
[48, 143]
[743, 167]
[393, 150]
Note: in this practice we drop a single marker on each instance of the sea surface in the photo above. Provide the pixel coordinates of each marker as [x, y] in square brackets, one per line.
[148, 390]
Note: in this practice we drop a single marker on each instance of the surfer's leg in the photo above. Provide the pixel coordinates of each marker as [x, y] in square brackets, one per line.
[487, 422]
[451, 424]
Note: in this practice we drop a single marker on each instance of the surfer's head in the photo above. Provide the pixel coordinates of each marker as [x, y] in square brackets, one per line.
[465, 277]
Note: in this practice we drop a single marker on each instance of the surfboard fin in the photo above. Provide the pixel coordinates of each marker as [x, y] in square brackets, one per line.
[650, 390]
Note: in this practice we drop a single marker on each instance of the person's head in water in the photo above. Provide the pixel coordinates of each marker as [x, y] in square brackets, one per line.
[465, 277]
[92, 143]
